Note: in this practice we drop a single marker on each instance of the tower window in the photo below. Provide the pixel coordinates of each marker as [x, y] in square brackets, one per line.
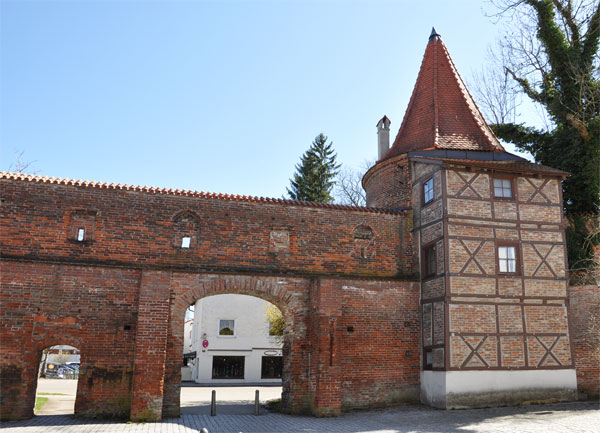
[428, 191]
[429, 267]
[502, 188]
[80, 235]
[185, 242]
[507, 259]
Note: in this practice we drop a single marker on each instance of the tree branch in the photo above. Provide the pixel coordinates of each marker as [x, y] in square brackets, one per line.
[529, 91]
[567, 15]
[592, 38]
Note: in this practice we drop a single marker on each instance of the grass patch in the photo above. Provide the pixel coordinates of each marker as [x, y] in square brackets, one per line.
[50, 393]
[274, 405]
[40, 402]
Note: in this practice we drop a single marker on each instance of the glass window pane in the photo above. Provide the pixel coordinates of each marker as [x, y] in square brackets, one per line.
[511, 252]
[503, 267]
[502, 252]
[512, 266]
[226, 327]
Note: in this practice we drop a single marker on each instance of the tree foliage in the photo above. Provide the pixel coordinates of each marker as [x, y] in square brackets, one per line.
[276, 322]
[315, 174]
[551, 54]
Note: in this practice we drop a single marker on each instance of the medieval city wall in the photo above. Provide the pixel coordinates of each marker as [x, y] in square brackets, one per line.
[124, 226]
[120, 294]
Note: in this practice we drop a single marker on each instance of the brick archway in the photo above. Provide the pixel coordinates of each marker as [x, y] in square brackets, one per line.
[164, 297]
[187, 289]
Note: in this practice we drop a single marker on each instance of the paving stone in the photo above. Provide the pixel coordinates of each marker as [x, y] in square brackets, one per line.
[579, 417]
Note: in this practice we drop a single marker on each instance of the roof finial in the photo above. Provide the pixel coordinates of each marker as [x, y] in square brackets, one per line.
[434, 36]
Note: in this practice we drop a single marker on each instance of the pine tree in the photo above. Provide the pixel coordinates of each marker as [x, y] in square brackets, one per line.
[315, 174]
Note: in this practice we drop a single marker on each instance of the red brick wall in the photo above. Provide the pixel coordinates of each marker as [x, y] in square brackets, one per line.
[380, 342]
[44, 304]
[41, 219]
[120, 295]
[388, 184]
[584, 307]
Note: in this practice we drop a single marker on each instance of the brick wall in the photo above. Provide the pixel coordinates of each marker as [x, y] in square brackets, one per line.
[380, 343]
[120, 295]
[584, 315]
[91, 308]
[124, 227]
[388, 185]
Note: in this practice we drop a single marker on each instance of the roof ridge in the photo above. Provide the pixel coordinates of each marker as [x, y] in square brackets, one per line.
[186, 192]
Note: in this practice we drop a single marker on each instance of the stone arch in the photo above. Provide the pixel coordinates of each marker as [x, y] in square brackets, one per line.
[188, 288]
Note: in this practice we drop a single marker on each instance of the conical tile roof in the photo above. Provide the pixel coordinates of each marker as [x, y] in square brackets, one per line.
[441, 113]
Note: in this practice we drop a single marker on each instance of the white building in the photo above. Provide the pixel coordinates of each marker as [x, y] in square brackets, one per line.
[230, 342]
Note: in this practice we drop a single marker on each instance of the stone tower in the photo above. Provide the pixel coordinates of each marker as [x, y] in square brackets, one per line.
[489, 244]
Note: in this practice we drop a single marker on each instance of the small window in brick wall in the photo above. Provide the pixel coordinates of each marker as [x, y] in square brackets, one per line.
[503, 188]
[428, 191]
[429, 262]
[507, 259]
[83, 223]
[428, 360]
[186, 226]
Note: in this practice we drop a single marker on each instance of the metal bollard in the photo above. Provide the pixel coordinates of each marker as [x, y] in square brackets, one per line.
[213, 403]
[256, 404]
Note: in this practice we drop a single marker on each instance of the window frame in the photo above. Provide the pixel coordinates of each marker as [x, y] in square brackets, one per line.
[510, 180]
[238, 359]
[428, 366]
[219, 335]
[262, 367]
[424, 194]
[517, 259]
[424, 262]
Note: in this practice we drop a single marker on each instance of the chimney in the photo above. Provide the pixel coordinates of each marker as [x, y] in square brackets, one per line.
[383, 136]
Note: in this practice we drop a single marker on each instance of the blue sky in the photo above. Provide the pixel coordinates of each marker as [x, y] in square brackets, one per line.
[220, 96]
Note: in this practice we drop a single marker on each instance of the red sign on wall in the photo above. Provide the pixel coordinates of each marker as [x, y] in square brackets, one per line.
[205, 343]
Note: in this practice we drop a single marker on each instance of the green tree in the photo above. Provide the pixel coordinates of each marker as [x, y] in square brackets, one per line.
[315, 174]
[551, 55]
[276, 322]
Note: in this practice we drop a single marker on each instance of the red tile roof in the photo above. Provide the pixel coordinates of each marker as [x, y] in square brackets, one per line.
[186, 193]
[441, 113]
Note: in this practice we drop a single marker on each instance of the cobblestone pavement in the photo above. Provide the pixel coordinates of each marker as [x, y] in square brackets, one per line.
[578, 417]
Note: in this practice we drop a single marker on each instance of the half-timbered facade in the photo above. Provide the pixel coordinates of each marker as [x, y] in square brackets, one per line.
[488, 237]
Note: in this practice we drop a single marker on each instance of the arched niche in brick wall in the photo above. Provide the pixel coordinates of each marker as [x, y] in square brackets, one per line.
[364, 242]
[186, 228]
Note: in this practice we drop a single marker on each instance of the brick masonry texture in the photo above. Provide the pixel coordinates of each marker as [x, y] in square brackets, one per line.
[584, 305]
[120, 295]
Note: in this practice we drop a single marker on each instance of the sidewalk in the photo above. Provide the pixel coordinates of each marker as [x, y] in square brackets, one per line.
[578, 417]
